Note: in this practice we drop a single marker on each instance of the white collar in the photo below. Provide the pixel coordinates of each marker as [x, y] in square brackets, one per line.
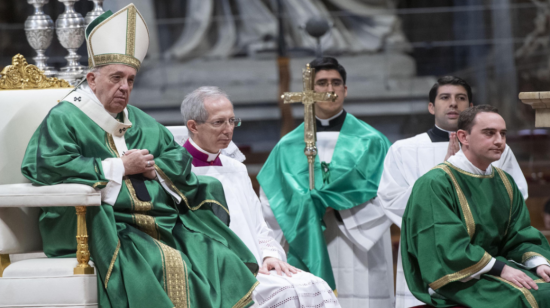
[460, 161]
[211, 156]
[447, 131]
[85, 89]
[326, 122]
[96, 111]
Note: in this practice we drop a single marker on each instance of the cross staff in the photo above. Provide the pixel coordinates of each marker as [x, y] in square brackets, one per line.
[308, 97]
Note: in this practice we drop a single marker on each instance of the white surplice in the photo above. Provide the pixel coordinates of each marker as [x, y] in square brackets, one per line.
[406, 161]
[300, 290]
[359, 245]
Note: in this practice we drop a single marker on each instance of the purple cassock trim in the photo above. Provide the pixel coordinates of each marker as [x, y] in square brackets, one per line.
[199, 158]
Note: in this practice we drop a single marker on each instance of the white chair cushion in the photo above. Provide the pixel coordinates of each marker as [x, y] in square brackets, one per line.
[27, 195]
[47, 282]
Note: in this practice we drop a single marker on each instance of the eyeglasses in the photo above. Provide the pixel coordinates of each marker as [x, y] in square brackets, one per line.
[235, 122]
[336, 83]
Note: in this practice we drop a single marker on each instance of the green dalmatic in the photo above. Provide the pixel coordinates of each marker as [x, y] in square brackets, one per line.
[155, 253]
[454, 224]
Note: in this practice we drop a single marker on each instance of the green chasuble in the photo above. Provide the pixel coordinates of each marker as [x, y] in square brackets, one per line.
[455, 222]
[154, 253]
[353, 178]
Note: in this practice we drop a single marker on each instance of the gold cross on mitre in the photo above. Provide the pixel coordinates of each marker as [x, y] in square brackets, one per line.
[308, 97]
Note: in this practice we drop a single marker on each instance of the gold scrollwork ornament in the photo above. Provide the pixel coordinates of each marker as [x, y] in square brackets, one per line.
[21, 75]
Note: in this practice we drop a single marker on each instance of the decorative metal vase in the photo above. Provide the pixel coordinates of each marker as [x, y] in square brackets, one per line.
[39, 31]
[70, 27]
[96, 12]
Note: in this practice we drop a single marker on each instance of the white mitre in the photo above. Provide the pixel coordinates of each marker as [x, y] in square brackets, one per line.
[119, 38]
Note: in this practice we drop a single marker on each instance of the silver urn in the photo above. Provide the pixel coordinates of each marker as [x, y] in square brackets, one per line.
[39, 31]
[70, 27]
[96, 12]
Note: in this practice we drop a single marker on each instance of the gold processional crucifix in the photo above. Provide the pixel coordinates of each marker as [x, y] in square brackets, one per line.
[308, 97]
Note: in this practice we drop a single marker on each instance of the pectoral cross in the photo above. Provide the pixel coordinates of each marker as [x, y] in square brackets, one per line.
[308, 97]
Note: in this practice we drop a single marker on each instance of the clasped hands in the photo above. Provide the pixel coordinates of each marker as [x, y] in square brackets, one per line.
[139, 162]
[521, 279]
[271, 263]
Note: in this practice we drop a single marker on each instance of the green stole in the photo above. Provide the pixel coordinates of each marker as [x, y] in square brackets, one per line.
[355, 172]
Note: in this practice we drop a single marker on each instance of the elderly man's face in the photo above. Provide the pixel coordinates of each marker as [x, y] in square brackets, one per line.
[112, 86]
[216, 132]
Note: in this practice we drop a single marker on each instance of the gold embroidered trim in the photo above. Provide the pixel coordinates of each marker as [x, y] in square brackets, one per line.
[243, 302]
[114, 58]
[540, 281]
[113, 259]
[530, 298]
[171, 184]
[529, 255]
[468, 217]
[137, 205]
[99, 183]
[176, 275]
[470, 174]
[462, 274]
[111, 145]
[174, 188]
[147, 224]
[510, 194]
[131, 32]
[209, 201]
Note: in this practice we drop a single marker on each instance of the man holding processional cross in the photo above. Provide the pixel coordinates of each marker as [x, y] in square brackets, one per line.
[324, 207]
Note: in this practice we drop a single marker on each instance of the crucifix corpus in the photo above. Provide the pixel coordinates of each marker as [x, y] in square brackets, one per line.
[308, 97]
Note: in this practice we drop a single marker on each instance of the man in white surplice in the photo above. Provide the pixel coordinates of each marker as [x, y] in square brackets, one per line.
[210, 120]
[357, 238]
[409, 159]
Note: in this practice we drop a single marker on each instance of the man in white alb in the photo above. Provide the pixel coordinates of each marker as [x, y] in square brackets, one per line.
[409, 159]
[337, 231]
[210, 120]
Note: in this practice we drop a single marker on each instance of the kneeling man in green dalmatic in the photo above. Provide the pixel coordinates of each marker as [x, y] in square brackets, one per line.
[466, 237]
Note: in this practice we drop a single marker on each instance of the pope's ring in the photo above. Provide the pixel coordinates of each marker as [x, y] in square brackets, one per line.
[149, 164]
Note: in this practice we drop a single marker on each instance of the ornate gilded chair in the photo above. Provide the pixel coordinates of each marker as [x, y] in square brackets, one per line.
[30, 279]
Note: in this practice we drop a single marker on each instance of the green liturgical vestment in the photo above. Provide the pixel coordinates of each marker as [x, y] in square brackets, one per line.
[454, 224]
[157, 253]
[352, 179]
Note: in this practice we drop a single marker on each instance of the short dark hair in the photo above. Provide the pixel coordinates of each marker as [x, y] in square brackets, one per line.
[328, 63]
[450, 80]
[467, 117]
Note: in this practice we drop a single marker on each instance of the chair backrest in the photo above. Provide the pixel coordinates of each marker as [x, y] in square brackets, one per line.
[21, 112]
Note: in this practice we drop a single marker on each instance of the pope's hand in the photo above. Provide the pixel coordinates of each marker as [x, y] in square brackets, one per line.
[544, 272]
[518, 278]
[454, 146]
[271, 263]
[138, 161]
